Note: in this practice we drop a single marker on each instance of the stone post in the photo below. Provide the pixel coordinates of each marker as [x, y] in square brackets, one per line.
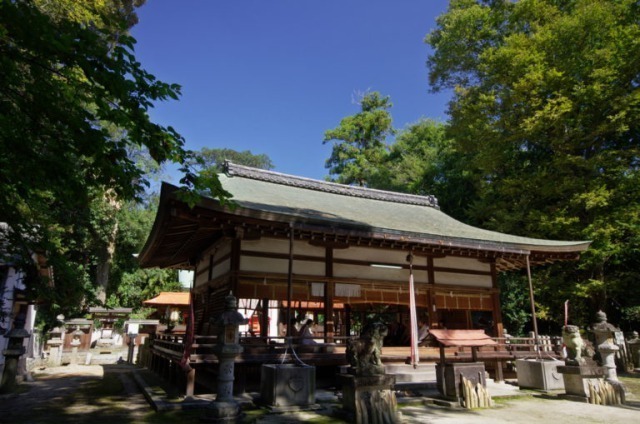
[225, 408]
[12, 354]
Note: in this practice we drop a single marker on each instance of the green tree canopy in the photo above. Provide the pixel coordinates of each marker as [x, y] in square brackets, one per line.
[130, 284]
[359, 142]
[424, 161]
[64, 86]
[546, 108]
[214, 159]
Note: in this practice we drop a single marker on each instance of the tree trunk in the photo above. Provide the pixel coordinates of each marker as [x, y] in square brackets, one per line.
[105, 256]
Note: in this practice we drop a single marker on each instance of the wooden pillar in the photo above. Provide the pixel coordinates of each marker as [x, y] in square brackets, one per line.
[166, 369]
[347, 320]
[210, 270]
[329, 291]
[190, 382]
[431, 300]
[499, 377]
[497, 311]
[236, 248]
[264, 318]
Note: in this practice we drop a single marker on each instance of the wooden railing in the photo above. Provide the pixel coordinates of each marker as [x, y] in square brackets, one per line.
[171, 346]
[260, 348]
[168, 349]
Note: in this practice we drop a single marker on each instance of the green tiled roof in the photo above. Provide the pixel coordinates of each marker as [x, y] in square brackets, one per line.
[330, 204]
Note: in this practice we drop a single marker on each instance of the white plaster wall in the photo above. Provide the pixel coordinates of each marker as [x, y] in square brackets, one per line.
[469, 280]
[281, 266]
[281, 246]
[464, 263]
[375, 273]
[270, 265]
[219, 251]
[369, 254]
[219, 269]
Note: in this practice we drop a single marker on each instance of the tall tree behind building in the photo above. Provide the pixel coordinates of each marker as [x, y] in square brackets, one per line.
[359, 142]
[547, 107]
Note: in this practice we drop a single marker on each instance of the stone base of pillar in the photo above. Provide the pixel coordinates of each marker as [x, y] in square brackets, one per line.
[222, 412]
[539, 374]
[449, 377]
[586, 384]
[577, 379]
[369, 399]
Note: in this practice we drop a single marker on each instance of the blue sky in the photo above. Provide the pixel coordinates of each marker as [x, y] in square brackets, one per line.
[271, 76]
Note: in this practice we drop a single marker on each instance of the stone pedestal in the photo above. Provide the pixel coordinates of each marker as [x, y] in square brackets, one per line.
[75, 343]
[12, 353]
[449, 377]
[288, 386]
[608, 356]
[225, 409]
[55, 344]
[369, 399]
[539, 374]
[577, 378]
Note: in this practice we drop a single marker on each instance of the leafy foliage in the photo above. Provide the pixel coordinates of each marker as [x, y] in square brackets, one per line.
[65, 85]
[546, 110]
[360, 142]
[516, 309]
[424, 161]
[214, 159]
[130, 284]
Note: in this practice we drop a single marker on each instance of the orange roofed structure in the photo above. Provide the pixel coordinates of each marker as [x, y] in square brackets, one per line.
[170, 299]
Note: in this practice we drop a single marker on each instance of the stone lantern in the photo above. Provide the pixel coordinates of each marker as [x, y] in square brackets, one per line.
[75, 343]
[12, 354]
[583, 379]
[604, 334]
[56, 342]
[225, 408]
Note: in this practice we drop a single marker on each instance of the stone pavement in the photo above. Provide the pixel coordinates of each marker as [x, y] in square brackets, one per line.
[83, 394]
[74, 394]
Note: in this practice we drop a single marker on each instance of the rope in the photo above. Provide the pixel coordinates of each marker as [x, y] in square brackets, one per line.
[295, 355]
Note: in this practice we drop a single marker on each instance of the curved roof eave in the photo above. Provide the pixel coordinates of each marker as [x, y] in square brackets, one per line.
[398, 218]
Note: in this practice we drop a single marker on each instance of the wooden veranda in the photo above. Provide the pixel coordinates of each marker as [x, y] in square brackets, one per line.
[168, 353]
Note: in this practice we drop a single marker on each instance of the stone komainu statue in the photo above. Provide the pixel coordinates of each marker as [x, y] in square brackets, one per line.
[364, 353]
[574, 343]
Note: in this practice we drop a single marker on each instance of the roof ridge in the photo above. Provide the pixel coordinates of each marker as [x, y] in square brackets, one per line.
[233, 169]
